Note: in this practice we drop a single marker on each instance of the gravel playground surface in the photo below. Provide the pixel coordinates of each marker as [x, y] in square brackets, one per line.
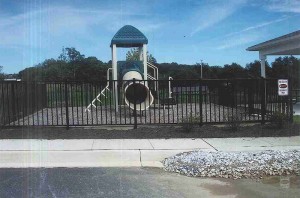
[235, 165]
[146, 132]
[107, 115]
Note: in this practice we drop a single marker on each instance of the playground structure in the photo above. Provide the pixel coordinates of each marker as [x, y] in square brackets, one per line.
[133, 75]
[132, 96]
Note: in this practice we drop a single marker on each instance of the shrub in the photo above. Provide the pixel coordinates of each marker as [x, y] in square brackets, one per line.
[189, 123]
[233, 122]
[279, 119]
[296, 119]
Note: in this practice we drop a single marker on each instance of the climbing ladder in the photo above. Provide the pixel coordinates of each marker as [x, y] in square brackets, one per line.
[164, 101]
[155, 75]
[169, 101]
[98, 97]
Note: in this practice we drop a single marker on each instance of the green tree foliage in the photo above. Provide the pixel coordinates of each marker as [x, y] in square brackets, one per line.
[133, 55]
[253, 69]
[1, 73]
[151, 58]
[70, 54]
[287, 67]
[211, 72]
[92, 69]
[215, 71]
[233, 70]
[70, 65]
[177, 71]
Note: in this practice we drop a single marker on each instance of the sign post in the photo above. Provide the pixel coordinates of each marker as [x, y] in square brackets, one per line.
[283, 87]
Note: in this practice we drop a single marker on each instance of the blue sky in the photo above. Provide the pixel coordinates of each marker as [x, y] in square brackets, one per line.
[183, 31]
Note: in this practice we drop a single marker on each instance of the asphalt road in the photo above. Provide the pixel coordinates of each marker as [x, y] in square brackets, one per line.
[132, 182]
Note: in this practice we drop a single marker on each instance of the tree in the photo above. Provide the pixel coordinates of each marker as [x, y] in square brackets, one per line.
[215, 71]
[1, 74]
[233, 70]
[70, 54]
[287, 67]
[70, 65]
[133, 55]
[206, 70]
[151, 58]
[253, 69]
[92, 69]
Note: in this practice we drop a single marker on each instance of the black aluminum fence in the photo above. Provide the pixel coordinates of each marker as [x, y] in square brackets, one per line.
[19, 100]
[175, 101]
[296, 95]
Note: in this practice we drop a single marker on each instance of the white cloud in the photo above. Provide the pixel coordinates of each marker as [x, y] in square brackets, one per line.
[214, 12]
[257, 26]
[292, 6]
[238, 40]
[34, 27]
[287, 6]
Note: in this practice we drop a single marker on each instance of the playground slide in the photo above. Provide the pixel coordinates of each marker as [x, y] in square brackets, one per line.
[136, 93]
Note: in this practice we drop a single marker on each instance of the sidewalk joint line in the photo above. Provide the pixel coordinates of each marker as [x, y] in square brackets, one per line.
[151, 144]
[93, 144]
[209, 144]
[140, 157]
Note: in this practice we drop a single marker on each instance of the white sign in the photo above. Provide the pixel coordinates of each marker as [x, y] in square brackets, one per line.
[283, 87]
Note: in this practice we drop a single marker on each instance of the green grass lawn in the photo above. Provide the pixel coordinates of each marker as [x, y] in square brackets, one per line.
[296, 119]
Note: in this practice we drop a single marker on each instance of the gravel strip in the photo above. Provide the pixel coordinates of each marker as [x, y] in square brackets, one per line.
[235, 165]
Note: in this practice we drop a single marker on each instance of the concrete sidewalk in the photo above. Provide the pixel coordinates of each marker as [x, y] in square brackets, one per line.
[123, 152]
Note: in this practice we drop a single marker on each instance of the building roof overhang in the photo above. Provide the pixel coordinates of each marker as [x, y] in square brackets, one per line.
[288, 44]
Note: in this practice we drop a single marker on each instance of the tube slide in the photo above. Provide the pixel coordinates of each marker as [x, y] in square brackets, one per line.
[136, 93]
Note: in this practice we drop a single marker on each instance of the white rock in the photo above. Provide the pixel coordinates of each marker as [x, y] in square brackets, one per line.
[235, 164]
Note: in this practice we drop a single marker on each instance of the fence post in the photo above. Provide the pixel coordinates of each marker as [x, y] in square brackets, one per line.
[250, 96]
[263, 100]
[290, 102]
[201, 101]
[67, 105]
[13, 103]
[134, 106]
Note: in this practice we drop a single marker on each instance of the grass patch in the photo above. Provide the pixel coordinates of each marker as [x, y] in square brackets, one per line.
[296, 119]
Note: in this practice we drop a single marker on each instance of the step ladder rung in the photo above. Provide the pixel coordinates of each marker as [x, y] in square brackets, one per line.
[97, 98]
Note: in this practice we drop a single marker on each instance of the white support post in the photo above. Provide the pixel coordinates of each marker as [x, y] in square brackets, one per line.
[145, 61]
[140, 53]
[262, 65]
[115, 75]
[263, 58]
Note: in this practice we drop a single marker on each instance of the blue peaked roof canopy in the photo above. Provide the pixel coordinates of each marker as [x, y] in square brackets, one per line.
[129, 36]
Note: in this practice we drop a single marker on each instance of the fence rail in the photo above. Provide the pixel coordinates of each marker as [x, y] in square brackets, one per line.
[19, 100]
[296, 95]
[208, 101]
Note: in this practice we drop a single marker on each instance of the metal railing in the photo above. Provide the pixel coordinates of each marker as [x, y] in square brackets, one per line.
[296, 95]
[210, 101]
